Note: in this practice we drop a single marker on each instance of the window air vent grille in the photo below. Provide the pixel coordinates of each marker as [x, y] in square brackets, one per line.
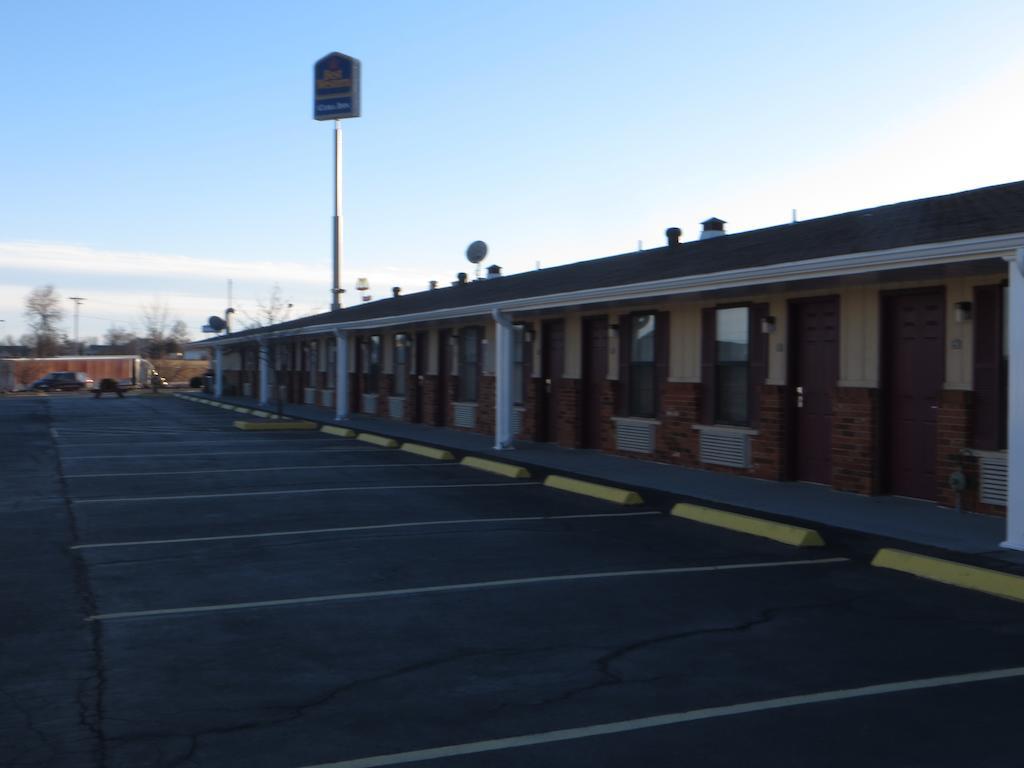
[730, 449]
[465, 415]
[396, 407]
[993, 479]
[638, 438]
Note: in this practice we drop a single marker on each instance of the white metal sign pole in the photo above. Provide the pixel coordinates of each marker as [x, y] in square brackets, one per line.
[339, 243]
[1015, 398]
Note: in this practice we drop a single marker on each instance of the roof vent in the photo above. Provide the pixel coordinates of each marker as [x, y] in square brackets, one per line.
[396, 291]
[433, 285]
[712, 228]
[461, 278]
[673, 234]
[493, 271]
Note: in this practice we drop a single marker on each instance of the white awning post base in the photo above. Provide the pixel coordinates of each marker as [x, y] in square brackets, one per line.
[264, 355]
[218, 372]
[341, 376]
[503, 364]
[1015, 403]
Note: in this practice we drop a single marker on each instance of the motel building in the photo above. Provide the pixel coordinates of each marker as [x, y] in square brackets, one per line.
[876, 352]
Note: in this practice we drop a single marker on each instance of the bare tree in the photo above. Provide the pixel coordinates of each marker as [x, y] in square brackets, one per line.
[271, 310]
[154, 327]
[178, 336]
[43, 313]
[120, 338]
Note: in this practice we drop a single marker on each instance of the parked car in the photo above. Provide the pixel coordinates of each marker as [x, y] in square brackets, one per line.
[57, 381]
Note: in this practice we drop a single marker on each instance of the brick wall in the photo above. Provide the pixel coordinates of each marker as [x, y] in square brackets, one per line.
[955, 432]
[430, 399]
[568, 404]
[528, 430]
[768, 448]
[855, 437]
[485, 406]
[676, 441]
[609, 398]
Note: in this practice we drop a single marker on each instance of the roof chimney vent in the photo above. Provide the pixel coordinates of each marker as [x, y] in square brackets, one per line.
[493, 271]
[433, 285]
[461, 278]
[712, 228]
[396, 291]
[673, 234]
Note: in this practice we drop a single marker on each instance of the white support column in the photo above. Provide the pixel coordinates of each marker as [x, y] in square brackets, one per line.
[264, 356]
[1015, 403]
[341, 376]
[503, 364]
[218, 372]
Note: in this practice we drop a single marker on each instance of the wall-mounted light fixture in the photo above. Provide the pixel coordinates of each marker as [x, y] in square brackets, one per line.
[963, 311]
[613, 331]
[527, 334]
[768, 324]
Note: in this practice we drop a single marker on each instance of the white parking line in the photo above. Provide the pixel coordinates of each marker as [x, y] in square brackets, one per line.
[268, 469]
[461, 587]
[351, 528]
[293, 491]
[218, 453]
[677, 718]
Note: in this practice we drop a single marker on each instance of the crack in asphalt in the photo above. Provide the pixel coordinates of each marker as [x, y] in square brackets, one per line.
[609, 677]
[296, 711]
[30, 723]
[91, 690]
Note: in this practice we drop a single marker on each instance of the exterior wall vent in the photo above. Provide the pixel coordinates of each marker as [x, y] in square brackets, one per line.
[517, 421]
[464, 415]
[713, 227]
[637, 437]
[993, 479]
[729, 449]
[396, 407]
[369, 404]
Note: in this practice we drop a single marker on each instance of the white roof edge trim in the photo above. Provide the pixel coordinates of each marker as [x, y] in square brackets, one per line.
[930, 254]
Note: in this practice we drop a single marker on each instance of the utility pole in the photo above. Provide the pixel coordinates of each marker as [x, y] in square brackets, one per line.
[78, 300]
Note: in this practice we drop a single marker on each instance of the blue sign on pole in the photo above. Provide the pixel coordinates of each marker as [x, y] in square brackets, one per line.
[335, 87]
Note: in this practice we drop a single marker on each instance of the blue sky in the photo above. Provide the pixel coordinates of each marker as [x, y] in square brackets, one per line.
[154, 151]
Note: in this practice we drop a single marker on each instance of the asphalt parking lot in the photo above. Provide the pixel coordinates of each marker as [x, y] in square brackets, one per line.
[182, 593]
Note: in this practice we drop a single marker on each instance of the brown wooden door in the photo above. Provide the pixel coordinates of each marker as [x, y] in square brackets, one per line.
[441, 396]
[552, 366]
[422, 345]
[595, 373]
[815, 345]
[914, 363]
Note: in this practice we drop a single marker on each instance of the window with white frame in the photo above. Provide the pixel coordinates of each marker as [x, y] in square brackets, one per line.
[732, 365]
[401, 358]
[371, 364]
[469, 364]
[642, 370]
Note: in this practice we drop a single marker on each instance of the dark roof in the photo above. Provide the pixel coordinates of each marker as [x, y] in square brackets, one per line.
[984, 212]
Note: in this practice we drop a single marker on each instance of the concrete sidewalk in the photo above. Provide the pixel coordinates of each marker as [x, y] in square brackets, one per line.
[911, 520]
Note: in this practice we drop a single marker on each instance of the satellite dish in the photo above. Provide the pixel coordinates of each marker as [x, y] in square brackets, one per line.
[476, 252]
[216, 323]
